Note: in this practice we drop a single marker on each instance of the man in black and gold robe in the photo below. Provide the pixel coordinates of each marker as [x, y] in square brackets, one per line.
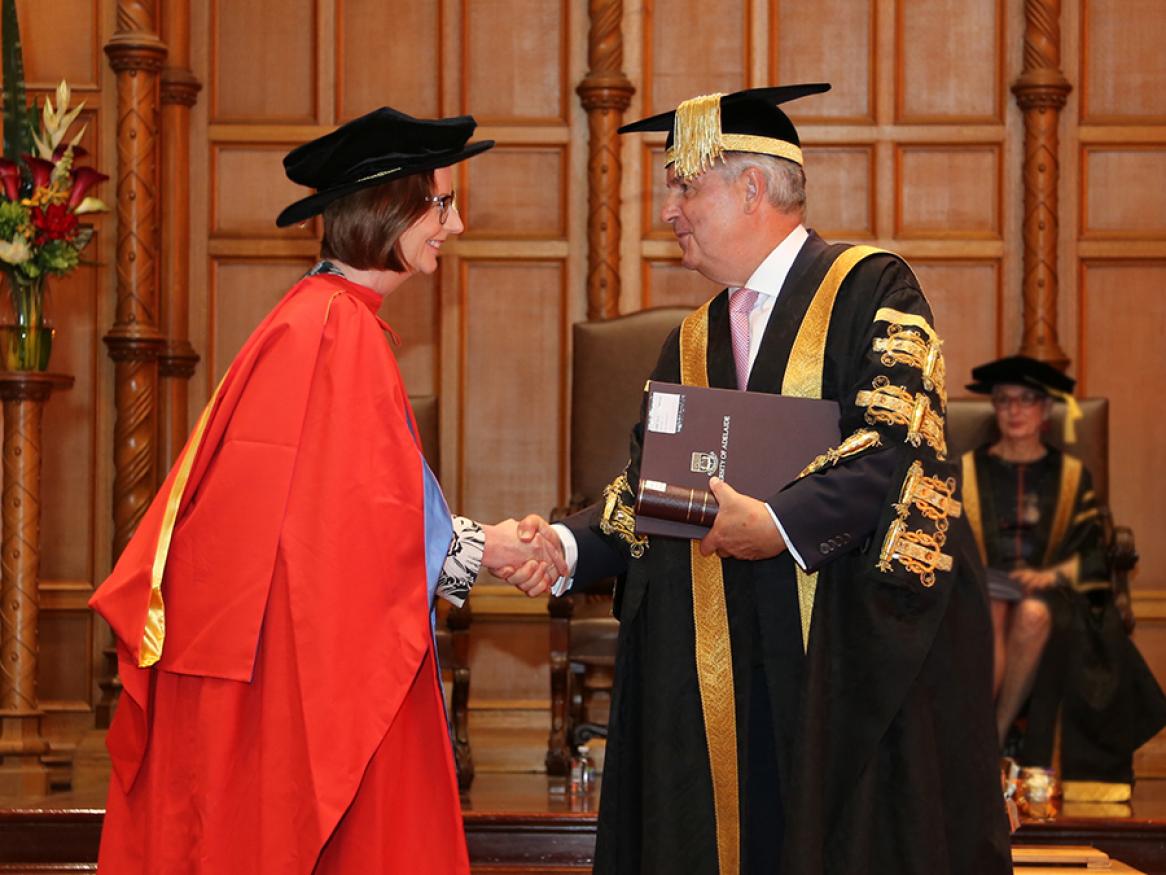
[807, 690]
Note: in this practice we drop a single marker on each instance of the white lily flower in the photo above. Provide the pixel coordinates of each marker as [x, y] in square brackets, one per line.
[15, 251]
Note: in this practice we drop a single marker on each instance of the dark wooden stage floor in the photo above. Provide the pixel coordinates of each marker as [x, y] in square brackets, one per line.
[524, 823]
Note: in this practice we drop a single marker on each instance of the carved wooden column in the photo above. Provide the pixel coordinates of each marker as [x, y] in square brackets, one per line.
[21, 743]
[135, 344]
[1041, 92]
[178, 359]
[605, 93]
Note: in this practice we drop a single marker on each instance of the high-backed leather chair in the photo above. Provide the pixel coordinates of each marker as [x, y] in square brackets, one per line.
[453, 638]
[971, 422]
[611, 360]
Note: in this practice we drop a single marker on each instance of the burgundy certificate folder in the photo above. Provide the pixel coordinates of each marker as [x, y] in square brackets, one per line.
[754, 441]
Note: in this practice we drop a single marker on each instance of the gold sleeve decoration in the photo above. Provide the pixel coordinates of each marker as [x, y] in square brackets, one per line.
[1071, 468]
[932, 497]
[894, 405]
[619, 518]
[972, 502]
[863, 439]
[911, 341]
[917, 551]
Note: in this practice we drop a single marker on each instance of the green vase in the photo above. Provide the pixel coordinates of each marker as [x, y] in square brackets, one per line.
[26, 335]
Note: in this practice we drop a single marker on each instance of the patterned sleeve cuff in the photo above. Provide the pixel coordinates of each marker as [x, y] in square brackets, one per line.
[462, 562]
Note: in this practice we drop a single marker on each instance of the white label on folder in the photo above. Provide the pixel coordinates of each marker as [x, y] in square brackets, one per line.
[654, 485]
[664, 412]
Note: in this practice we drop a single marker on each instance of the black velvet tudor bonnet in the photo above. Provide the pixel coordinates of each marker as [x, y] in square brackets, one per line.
[371, 150]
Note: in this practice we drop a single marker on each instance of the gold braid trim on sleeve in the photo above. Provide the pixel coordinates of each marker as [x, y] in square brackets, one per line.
[911, 341]
[863, 439]
[932, 497]
[894, 405]
[619, 517]
[918, 551]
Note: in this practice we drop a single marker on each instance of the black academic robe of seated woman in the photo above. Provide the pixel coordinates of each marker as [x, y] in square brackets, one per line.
[1092, 688]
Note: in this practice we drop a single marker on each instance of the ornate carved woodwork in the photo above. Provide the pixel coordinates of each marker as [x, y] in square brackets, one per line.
[136, 55]
[178, 359]
[605, 93]
[1041, 92]
[21, 743]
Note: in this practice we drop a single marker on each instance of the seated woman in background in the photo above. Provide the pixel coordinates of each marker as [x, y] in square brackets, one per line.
[1061, 645]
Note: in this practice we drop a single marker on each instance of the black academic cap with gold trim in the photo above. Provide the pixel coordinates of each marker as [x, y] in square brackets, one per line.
[700, 130]
[375, 148]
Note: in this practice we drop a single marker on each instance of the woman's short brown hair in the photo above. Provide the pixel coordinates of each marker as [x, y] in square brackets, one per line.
[363, 229]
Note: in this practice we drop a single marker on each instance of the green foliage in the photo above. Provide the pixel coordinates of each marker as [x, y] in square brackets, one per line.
[18, 118]
[57, 257]
[12, 216]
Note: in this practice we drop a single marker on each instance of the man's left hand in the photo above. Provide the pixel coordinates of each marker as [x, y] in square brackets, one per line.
[743, 528]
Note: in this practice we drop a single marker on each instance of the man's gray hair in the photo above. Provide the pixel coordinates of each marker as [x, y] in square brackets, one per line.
[785, 183]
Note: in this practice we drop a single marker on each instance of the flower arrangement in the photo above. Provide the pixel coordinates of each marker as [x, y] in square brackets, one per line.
[41, 233]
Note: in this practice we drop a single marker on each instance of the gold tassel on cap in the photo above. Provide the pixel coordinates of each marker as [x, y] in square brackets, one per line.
[696, 136]
[1072, 414]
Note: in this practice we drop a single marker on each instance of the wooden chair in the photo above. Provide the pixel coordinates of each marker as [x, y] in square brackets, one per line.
[453, 637]
[611, 361]
[971, 422]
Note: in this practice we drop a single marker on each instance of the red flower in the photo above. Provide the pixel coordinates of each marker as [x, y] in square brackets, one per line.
[42, 171]
[10, 178]
[84, 178]
[54, 222]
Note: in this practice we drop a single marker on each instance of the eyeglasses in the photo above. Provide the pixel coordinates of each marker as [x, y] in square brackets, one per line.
[444, 203]
[1025, 400]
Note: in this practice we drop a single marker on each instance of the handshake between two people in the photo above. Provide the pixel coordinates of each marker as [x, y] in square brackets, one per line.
[529, 553]
[526, 553]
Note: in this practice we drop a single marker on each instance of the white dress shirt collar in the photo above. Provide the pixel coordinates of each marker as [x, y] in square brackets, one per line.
[771, 273]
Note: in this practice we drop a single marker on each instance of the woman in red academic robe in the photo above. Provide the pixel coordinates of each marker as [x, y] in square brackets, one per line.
[281, 708]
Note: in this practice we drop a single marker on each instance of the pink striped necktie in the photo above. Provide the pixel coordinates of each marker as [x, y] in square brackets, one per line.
[741, 302]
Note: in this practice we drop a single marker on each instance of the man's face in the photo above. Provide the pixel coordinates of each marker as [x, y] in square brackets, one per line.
[704, 212]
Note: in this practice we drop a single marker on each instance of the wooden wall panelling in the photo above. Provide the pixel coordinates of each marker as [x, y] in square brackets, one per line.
[965, 297]
[667, 284]
[828, 41]
[514, 61]
[948, 191]
[519, 192]
[264, 61]
[939, 77]
[373, 69]
[1119, 200]
[249, 190]
[840, 190]
[1123, 67]
[511, 433]
[692, 48]
[1123, 321]
[62, 40]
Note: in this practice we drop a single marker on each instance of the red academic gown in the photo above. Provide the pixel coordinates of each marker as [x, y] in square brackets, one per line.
[294, 723]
